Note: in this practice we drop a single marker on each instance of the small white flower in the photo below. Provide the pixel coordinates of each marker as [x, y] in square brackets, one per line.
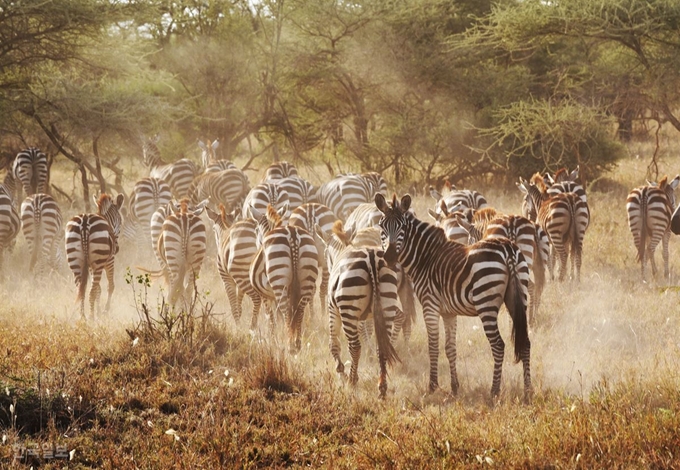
[7, 390]
[172, 432]
[71, 454]
[231, 381]
[149, 423]
[489, 460]
[210, 372]
[4, 438]
[469, 343]
[11, 409]
[226, 372]
[135, 341]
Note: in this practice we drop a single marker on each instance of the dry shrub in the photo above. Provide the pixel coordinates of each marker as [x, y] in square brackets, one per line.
[271, 370]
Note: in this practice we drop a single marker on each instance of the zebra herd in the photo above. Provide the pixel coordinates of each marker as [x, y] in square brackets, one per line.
[283, 239]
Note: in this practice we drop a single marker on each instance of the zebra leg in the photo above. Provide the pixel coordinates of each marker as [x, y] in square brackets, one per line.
[323, 290]
[450, 330]
[81, 286]
[431, 318]
[257, 305]
[235, 297]
[110, 278]
[355, 353]
[490, 322]
[563, 255]
[95, 291]
[664, 252]
[334, 325]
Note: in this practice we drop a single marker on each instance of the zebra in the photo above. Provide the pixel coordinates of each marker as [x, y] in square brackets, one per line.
[464, 198]
[156, 229]
[9, 223]
[31, 169]
[147, 196]
[41, 223]
[181, 246]
[452, 279]
[91, 245]
[345, 193]
[562, 182]
[209, 158]
[178, 175]
[236, 249]
[564, 217]
[450, 221]
[9, 184]
[228, 187]
[531, 240]
[265, 194]
[363, 283]
[291, 265]
[279, 170]
[650, 209]
[299, 190]
[370, 237]
[315, 217]
[363, 216]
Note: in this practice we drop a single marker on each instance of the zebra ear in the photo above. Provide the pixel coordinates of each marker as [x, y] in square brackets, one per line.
[444, 210]
[674, 183]
[120, 199]
[436, 195]
[405, 202]
[215, 144]
[350, 233]
[573, 176]
[434, 215]
[212, 215]
[381, 203]
[283, 210]
[254, 213]
[95, 198]
[201, 207]
[521, 186]
[464, 224]
[202, 145]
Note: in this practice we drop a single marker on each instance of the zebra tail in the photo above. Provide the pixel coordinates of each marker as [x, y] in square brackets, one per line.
[643, 227]
[516, 302]
[386, 349]
[85, 271]
[294, 292]
[155, 274]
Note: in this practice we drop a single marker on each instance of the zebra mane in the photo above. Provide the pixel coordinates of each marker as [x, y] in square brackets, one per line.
[561, 175]
[663, 182]
[485, 214]
[103, 203]
[273, 217]
[339, 231]
[537, 180]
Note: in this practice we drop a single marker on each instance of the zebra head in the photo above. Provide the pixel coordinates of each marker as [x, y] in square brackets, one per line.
[669, 188]
[393, 224]
[111, 211]
[222, 220]
[208, 154]
[151, 155]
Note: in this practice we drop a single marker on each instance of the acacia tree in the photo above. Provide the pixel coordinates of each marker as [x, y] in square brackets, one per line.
[619, 57]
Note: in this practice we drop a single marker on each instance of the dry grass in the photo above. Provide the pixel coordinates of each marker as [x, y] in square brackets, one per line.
[209, 394]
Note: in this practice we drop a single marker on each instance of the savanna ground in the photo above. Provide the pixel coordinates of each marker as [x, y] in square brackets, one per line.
[130, 392]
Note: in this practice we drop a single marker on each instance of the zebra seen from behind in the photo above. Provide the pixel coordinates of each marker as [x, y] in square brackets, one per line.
[41, 223]
[209, 157]
[9, 224]
[451, 279]
[650, 209]
[363, 286]
[148, 195]
[279, 170]
[91, 245]
[177, 175]
[31, 170]
[564, 218]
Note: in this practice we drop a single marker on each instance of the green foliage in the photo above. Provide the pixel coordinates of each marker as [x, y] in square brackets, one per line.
[536, 135]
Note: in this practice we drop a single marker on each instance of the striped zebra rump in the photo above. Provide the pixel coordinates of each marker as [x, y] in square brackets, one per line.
[451, 279]
[9, 224]
[299, 191]
[9, 184]
[457, 199]
[31, 169]
[315, 217]
[182, 246]
[263, 195]
[345, 193]
[226, 187]
[236, 248]
[148, 195]
[177, 175]
[363, 216]
[363, 287]
[532, 241]
[91, 245]
[650, 210]
[41, 223]
[292, 267]
[211, 163]
[279, 170]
